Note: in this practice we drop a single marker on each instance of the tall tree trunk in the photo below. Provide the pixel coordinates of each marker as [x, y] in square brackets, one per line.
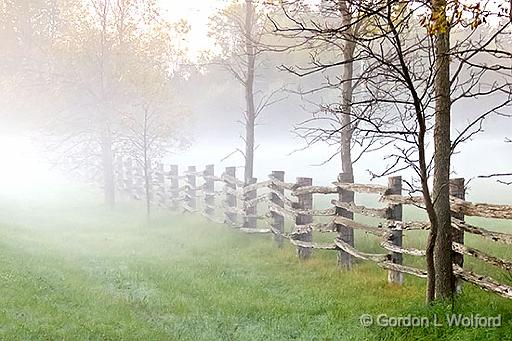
[147, 184]
[347, 93]
[106, 138]
[345, 118]
[147, 166]
[250, 118]
[108, 169]
[443, 255]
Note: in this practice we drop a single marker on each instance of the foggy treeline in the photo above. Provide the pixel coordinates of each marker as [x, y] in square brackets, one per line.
[101, 80]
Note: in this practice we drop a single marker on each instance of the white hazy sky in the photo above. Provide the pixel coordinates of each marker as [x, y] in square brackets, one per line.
[196, 12]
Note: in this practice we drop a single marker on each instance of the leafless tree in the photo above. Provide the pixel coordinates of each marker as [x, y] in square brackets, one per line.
[238, 30]
[151, 129]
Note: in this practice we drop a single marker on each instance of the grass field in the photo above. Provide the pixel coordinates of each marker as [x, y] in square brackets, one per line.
[71, 270]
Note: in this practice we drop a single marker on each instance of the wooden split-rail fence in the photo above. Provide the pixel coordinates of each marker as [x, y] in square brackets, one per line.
[237, 204]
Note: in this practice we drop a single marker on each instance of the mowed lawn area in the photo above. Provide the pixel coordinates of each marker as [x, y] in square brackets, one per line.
[73, 270]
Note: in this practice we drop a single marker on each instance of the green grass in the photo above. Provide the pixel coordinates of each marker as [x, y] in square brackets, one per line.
[71, 270]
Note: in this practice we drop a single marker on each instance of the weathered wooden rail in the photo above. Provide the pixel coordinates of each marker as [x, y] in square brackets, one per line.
[236, 204]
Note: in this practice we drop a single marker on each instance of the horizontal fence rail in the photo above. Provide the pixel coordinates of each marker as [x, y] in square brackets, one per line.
[227, 200]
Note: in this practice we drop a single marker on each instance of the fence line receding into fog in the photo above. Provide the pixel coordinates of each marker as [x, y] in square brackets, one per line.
[240, 206]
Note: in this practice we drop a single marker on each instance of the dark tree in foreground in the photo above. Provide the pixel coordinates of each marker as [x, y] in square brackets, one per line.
[413, 74]
[332, 67]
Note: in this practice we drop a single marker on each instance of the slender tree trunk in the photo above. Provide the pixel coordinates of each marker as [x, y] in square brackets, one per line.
[106, 138]
[429, 206]
[147, 167]
[147, 184]
[422, 159]
[108, 169]
[347, 93]
[345, 118]
[432, 236]
[443, 254]
[250, 119]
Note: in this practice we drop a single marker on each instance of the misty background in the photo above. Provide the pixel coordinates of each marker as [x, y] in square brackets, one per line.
[215, 102]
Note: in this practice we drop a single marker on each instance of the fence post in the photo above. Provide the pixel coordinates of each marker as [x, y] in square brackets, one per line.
[457, 190]
[174, 187]
[191, 188]
[345, 233]
[305, 202]
[160, 193]
[277, 219]
[396, 234]
[209, 191]
[250, 220]
[230, 189]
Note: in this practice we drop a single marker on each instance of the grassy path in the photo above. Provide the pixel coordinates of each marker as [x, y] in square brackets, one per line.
[75, 271]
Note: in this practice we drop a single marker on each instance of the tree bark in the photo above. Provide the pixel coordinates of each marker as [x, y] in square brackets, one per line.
[347, 93]
[346, 131]
[443, 255]
[250, 119]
